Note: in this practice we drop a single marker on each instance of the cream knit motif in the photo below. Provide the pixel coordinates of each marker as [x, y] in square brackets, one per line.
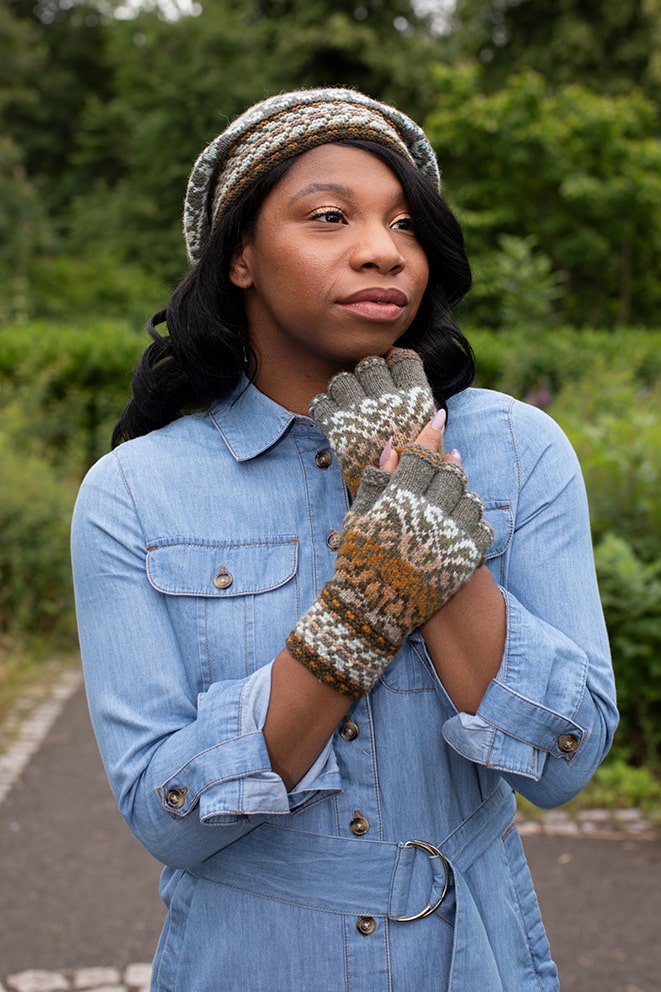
[408, 543]
[381, 399]
[280, 128]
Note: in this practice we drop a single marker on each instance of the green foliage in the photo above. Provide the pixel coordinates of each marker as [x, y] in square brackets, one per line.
[515, 286]
[605, 391]
[559, 189]
[61, 391]
[579, 172]
[617, 784]
[35, 509]
[70, 288]
[631, 595]
[604, 44]
[64, 388]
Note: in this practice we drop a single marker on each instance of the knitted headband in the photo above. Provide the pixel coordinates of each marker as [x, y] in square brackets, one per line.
[280, 128]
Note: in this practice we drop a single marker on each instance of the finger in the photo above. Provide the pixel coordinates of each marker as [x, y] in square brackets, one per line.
[417, 468]
[431, 435]
[468, 511]
[372, 484]
[389, 457]
[373, 375]
[345, 390]
[453, 456]
[446, 488]
[407, 370]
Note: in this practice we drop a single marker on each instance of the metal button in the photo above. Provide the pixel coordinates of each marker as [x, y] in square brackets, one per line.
[568, 743]
[175, 798]
[323, 458]
[359, 824]
[349, 730]
[223, 580]
[366, 925]
[333, 540]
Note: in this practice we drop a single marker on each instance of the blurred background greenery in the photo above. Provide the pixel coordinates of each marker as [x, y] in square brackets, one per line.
[545, 115]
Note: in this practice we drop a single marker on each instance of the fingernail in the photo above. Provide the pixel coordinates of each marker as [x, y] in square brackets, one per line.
[456, 454]
[438, 423]
[385, 454]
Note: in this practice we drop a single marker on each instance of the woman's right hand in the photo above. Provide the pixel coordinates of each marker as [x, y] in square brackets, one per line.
[382, 397]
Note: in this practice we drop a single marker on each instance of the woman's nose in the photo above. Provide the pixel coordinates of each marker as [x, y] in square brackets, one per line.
[377, 248]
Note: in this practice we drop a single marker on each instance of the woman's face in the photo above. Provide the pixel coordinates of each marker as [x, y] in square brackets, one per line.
[333, 270]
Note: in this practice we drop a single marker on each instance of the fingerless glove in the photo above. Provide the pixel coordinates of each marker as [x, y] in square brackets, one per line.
[409, 541]
[382, 398]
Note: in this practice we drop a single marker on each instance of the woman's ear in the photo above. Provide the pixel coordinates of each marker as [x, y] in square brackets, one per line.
[240, 271]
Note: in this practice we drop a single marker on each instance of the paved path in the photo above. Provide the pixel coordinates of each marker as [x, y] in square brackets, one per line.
[80, 907]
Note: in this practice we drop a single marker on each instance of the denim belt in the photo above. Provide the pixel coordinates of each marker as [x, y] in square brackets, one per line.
[301, 868]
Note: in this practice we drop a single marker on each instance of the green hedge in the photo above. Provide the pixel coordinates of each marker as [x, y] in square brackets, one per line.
[62, 389]
[66, 387]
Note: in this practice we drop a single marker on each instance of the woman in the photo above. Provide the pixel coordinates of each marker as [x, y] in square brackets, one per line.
[317, 665]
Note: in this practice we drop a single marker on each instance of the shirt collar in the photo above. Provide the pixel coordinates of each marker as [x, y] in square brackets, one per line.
[249, 422]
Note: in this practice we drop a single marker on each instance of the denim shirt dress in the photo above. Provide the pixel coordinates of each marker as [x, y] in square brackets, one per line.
[394, 864]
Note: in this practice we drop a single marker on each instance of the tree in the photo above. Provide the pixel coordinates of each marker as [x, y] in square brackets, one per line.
[603, 44]
[578, 171]
[175, 84]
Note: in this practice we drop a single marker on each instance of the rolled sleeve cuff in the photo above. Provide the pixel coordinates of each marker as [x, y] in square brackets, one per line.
[522, 717]
[231, 773]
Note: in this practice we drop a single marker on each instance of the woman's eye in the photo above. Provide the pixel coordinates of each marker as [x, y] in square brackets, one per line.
[403, 224]
[329, 215]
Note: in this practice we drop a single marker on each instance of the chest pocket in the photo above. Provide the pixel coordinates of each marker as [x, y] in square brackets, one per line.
[234, 604]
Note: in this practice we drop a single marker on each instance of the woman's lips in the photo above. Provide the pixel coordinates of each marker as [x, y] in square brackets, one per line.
[376, 303]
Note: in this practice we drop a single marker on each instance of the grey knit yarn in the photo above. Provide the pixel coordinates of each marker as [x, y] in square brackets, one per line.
[282, 127]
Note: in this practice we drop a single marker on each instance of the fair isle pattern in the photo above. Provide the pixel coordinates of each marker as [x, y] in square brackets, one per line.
[399, 561]
[380, 399]
[282, 127]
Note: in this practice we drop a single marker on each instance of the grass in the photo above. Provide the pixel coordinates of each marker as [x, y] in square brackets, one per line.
[616, 785]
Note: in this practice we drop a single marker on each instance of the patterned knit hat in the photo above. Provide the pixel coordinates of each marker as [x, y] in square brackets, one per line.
[282, 127]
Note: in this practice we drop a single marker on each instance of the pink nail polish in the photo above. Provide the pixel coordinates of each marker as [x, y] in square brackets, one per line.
[438, 423]
[385, 454]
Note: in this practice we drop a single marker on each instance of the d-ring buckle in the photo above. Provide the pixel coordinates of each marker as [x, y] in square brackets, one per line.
[433, 852]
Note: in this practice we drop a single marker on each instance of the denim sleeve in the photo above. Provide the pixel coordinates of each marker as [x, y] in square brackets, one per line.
[547, 719]
[177, 761]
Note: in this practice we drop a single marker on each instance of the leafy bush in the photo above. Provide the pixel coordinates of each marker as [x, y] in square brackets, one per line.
[35, 510]
[520, 362]
[65, 387]
[604, 390]
[631, 596]
[65, 288]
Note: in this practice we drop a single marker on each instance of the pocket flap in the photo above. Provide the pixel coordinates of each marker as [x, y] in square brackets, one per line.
[193, 568]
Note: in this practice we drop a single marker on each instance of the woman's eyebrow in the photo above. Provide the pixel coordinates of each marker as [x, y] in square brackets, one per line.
[321, 188]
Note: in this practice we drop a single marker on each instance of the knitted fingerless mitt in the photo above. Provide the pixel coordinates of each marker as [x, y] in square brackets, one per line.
[408, 543]
[382, 398]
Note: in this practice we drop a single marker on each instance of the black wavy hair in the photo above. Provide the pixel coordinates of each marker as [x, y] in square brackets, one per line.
[207, 347]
